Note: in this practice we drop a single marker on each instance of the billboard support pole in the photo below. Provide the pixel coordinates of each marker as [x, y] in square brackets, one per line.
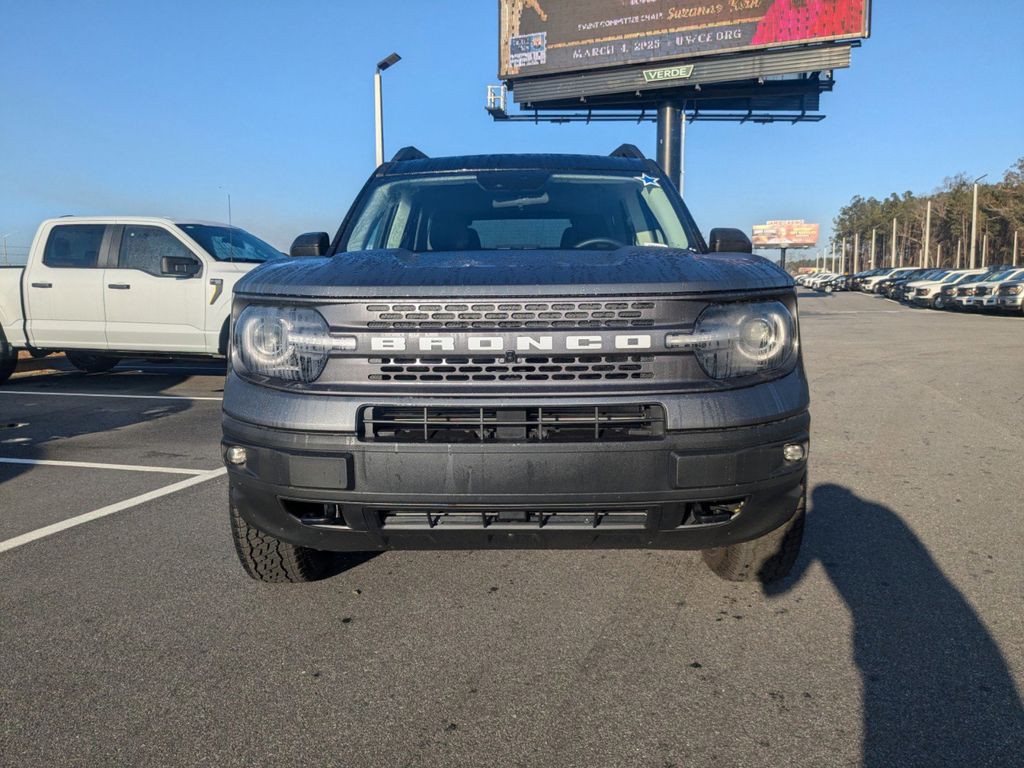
[670, 142]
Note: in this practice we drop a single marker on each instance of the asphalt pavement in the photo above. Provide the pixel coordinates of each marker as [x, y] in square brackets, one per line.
[129, 634]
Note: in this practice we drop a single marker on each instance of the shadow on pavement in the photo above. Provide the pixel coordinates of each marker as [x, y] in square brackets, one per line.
[937, 690]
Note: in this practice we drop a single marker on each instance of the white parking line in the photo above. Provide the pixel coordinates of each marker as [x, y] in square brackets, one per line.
[96, 465]
[96, 514]
[97, 394]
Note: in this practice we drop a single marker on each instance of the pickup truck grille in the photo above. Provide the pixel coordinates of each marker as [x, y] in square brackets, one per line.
[444, 424]
[519, 314]
[491, 369]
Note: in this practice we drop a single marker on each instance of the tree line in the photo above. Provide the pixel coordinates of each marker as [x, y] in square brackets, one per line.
[1000, 223]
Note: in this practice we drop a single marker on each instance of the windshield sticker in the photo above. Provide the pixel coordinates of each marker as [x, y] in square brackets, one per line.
[648, 181]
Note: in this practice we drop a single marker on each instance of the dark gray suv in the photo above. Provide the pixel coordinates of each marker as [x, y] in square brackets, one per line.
[508, 351]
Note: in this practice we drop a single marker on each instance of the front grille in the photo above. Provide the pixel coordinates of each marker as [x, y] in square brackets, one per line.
[519, 314]
[981, 291]
[568, 424]
[484, 369]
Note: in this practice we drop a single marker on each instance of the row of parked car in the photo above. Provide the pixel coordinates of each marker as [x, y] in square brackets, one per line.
[995, 288]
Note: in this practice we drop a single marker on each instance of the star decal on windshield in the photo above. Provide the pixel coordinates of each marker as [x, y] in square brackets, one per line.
[648, 181]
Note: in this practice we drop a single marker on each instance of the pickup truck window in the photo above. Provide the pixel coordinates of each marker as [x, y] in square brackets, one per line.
[144, 248]
[231, 243]
[74, 246]
[509, 210]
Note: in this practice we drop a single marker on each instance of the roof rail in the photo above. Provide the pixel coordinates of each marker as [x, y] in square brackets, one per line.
[628, 150]
[408, 153]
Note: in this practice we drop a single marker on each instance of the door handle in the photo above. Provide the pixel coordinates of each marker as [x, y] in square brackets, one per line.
[42, 285]
[119, 286]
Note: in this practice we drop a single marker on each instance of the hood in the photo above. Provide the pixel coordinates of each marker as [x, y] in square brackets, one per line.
[399, 272]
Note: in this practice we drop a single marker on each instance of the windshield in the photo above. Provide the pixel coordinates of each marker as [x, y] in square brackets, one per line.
[231, 243]
[516, 210]
[998, 276]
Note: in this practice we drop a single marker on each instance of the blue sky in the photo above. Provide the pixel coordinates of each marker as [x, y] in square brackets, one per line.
[164, 108]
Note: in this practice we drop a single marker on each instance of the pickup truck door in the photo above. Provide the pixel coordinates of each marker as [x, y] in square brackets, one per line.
[154, 292]
[63, 289]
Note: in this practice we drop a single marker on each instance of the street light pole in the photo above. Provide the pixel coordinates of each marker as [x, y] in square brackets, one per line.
[974, 224]
[7, 262]
[378, 104]
[893, 265]
[927, 235]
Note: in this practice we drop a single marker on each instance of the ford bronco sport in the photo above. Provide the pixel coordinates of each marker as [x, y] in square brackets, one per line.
[533, 351]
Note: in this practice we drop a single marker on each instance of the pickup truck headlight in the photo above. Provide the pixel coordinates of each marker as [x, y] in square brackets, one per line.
[736, 340]
[284, 343]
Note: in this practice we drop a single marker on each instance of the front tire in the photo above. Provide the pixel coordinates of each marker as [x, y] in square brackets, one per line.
[269, 559]
[88, 362]
[766, 559]
[8, 359]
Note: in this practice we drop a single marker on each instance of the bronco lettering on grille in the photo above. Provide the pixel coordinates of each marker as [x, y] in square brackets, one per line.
[483, 343]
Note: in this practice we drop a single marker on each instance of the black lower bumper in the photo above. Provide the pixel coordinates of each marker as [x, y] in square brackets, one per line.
[689, 490]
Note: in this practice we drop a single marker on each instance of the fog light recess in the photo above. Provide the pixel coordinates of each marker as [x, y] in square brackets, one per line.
[794, 452]
[235, 454]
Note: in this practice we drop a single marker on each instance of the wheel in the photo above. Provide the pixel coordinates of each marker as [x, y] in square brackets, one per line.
[766, 559]
[92, 363]
[940, 302]
[829, 289]
[8, 359]
[266, 558]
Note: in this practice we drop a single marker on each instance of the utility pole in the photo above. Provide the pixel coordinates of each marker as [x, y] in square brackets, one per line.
[984, 251]
[671, 137]
[1015, 247]
[833, 267]
[842, 263]
[974, 224]
[938, 255]
[927, 236]
[856, 252]
[959, 250]
[874, 234]
[378, 104]
[893, 242]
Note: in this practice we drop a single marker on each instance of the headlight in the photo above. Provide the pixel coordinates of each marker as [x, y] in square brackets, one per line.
[284, 343]
[1015, 289]
[734, 340]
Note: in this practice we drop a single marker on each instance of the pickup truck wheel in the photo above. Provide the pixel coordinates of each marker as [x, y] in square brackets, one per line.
[766, 559]
[90, 363]
[8, 358]
[266, 558]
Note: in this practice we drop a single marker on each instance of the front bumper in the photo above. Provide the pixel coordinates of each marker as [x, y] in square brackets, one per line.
[689, 490]
[1012, 302]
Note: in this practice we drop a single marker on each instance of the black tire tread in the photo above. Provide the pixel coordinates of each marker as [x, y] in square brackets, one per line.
[91, 363]
[269, 559]
[766, 559]
[8, 358]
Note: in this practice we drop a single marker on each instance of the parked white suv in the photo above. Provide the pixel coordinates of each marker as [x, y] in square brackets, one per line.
[103, 288]
[869, 284]
[984, 294]
[940, 293]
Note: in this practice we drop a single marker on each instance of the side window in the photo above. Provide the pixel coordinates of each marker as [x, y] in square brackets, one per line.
[74, 246]
[144, 248]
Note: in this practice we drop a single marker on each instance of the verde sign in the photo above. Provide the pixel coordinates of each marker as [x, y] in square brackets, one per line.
[681, 72]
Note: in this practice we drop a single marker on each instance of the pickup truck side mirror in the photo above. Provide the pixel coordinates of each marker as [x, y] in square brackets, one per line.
[180, 266]
[727, 240]
[311, 244]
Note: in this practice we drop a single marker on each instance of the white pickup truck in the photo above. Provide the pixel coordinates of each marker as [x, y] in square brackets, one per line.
[104, 288]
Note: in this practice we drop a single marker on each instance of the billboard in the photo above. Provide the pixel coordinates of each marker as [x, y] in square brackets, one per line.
[540, 37]
[786, 234]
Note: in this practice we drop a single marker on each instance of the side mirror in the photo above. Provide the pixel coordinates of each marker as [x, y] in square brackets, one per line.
[180, 266]
[310, 244]
[727, 240]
